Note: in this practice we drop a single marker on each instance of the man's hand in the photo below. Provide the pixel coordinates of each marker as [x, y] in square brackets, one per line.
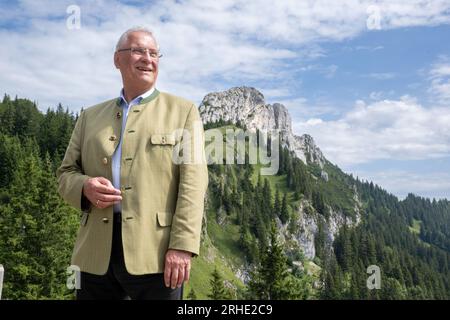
[101, 193]
[177, 267]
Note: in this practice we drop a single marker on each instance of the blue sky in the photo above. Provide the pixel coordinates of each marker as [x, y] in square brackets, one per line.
[369, 80]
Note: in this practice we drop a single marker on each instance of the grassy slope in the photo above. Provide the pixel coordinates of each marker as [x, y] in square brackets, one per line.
[336, 190]
[221, 249]
[415, 227]
[202, 268]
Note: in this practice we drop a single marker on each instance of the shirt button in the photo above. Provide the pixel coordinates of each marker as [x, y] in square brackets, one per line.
[105, 160]
[113, 138]
[163, 140]
[105, 220]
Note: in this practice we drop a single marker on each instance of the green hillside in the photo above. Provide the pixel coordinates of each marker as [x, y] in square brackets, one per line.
[250, 225]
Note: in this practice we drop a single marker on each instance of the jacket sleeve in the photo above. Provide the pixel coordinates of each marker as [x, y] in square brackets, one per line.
[70, 174]
[187, 220]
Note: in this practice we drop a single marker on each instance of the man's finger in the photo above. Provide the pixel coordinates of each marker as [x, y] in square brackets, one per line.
[181, 276]
[167, 274]
[108, 198]
[187, 272]
[104, 189]
[174, 278]
[104, 181]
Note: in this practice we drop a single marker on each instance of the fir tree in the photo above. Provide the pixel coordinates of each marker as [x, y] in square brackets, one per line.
[284, 212]
[39, 230]
[271, 279]
[218, 290]
[192, 295]
[277, 203]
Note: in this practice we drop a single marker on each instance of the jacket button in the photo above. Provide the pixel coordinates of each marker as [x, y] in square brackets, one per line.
[105, 160]
[113, 138]
[105, 220]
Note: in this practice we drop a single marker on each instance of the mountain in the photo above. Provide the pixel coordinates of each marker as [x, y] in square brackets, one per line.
[310, 231]
[338, 226]
[245, 106]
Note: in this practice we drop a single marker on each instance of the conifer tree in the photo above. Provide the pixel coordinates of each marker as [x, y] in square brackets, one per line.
[271, 279]
[38, 231]
[218, 290]
[192, 295]
[284, 212]
[277, 203]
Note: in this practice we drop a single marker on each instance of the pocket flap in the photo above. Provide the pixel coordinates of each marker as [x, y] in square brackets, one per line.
[168, 139]
[164, 218]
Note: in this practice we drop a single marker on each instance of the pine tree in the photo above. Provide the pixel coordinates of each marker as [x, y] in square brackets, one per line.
[192, 295]
[10, 152]
[284, 212]
[218, 290]
[267, 200]
[38, 229]
[319, 203]
[271, 279]
[332, 280]
[319, 240]
[277, 203]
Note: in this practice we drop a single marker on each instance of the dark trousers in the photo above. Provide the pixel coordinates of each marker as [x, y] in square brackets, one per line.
[118, 284]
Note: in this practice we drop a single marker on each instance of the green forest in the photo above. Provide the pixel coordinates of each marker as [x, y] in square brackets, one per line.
[246, 214]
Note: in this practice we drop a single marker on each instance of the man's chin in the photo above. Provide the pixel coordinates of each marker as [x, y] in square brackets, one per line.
[146, 80]
[147, 77]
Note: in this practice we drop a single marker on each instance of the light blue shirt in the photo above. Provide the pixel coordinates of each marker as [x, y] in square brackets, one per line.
[117, 156]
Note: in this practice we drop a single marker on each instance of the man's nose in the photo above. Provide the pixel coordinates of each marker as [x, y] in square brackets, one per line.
[146, 57]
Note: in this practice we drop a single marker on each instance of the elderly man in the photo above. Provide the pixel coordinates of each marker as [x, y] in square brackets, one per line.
[142, 211]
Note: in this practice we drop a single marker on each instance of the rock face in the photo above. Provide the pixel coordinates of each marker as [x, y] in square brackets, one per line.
[308, 228]
[247, 106]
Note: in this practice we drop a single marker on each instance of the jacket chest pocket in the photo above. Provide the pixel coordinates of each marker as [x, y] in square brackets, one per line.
[163, 140]
[162, 148]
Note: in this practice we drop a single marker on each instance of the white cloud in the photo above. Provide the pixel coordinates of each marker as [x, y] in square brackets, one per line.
[407, 13]
[402, 182]
[383, 95]
[206, 44]
[439, 76]
[388, 129]
[369, 48]
[328, 71]
[271, 94]
[381, 75]
[376, 95]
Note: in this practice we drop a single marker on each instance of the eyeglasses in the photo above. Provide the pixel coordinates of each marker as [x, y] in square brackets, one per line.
[140, 52]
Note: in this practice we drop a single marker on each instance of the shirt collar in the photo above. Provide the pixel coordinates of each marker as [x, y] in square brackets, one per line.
[138, 99]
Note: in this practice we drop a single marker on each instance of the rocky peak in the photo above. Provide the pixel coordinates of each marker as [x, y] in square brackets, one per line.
[247, 105]
[309, 149]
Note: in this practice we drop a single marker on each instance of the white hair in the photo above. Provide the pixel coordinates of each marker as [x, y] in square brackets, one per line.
[124, 37]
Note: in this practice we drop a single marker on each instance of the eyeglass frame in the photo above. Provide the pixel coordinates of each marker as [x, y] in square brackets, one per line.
[158, 55]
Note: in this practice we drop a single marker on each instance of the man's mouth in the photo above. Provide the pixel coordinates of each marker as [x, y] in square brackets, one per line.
[144, 69]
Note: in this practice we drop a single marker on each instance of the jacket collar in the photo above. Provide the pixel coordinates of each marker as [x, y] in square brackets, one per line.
[152, 96]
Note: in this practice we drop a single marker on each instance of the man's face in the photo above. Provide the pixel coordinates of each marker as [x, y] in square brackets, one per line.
[138, 71]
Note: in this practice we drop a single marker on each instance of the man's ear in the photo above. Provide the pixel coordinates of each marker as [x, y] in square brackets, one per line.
[116, 60]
